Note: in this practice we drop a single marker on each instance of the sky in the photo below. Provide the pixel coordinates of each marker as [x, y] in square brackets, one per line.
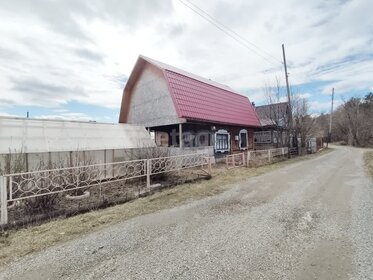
[71, 59]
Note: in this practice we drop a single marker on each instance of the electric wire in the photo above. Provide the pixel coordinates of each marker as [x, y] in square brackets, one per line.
[226, 30]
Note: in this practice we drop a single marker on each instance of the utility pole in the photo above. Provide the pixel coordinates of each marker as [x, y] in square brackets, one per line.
[330, 120]
[290, 116]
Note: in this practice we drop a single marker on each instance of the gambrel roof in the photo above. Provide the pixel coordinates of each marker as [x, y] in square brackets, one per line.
[196, 98]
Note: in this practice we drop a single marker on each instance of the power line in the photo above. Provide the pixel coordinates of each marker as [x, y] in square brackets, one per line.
[226, 30]
[234, 32]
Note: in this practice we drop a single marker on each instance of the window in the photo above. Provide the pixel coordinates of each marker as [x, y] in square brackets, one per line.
[161, 138]
[222, 139]
[188, 139]
[202, 138]
[263, 137]
[243, 139]
[275, 137]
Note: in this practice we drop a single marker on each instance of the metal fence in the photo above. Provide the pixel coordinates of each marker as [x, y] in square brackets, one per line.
[20, 186]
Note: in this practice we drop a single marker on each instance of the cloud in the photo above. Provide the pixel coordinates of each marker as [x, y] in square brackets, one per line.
[304, 95]
[36, 92]
[90, 55]
[84, 51]
[323, 106]
[66, 116]
[5, 114]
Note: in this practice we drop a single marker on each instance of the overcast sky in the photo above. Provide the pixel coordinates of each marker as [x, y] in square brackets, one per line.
[70, 58]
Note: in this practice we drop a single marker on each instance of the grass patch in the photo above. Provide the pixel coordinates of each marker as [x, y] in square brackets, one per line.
[368, 160]
[18, 243]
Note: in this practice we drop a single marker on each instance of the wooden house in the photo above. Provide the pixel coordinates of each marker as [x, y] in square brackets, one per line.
[274, 125]
[184, 110]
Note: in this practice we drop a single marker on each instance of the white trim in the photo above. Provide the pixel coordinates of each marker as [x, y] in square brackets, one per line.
[263, 137]
[247, 139]
[224, 132]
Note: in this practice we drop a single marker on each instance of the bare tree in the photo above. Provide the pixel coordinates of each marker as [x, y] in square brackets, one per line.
[354, 121]
[301, 125]
[303, 122]
[275, 113]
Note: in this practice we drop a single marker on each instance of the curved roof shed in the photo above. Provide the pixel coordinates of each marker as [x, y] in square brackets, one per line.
[41, 135]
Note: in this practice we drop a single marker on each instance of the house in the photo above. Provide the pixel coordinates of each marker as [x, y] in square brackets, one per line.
[184, 110]
[274, 125]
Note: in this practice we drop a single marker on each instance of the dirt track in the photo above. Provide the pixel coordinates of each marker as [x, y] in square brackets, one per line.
[308, 220]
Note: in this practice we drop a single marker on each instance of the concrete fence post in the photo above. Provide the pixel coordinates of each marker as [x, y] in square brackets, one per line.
[148, 171]
[248, 158]
[269, 155]
[3, 201]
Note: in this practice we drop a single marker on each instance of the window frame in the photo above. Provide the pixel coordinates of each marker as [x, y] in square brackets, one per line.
[223, 132]
[263, 137]
[243, 131]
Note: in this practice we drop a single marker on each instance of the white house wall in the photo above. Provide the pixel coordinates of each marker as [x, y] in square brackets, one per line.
[151, 103]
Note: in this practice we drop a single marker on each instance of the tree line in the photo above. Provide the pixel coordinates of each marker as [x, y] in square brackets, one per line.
[352, 122]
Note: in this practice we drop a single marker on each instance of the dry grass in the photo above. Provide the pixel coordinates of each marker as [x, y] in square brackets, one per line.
[18, 243]
[368, 160]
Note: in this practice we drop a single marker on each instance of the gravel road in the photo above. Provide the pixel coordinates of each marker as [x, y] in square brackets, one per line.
[309, 220]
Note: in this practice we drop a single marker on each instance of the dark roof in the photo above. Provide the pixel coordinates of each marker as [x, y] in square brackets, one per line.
[272, 113]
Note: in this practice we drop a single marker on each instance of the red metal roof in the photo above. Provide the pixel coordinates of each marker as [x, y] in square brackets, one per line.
[197, 98]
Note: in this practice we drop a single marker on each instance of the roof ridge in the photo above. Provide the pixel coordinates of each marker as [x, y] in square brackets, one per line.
[188, 74]
[272, 104]
[198, 98]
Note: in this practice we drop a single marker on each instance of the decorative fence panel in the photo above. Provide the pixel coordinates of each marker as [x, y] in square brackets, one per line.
[174, 163]
[21, 186]
[235, 160]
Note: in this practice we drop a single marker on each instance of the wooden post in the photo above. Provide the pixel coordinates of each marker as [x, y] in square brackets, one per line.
[209, 164]
[253, 139]
[3, 201]
[26, 162]
[105, 164]
[113, 168]
[330, 121]
[71, 158]
[290, 114]
[180, 135]
[148, 171]
[248, 158]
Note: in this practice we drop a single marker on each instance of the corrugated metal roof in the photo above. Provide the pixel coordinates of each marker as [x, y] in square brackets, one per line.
[272, 114]
[197, 98]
